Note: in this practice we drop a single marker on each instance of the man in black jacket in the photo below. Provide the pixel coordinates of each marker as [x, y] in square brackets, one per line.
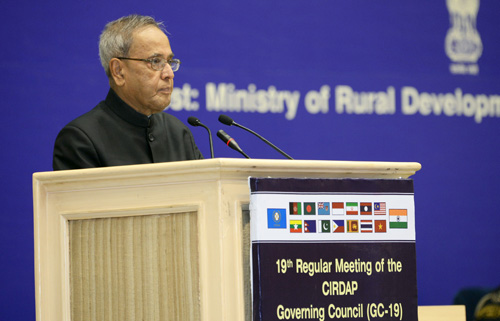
[129, 126]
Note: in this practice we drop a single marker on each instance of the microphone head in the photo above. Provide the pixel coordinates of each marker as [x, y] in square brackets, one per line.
[226, 120]
[222, 135]
[193, 121]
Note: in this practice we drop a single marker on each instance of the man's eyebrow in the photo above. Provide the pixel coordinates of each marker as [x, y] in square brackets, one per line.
[161, 55]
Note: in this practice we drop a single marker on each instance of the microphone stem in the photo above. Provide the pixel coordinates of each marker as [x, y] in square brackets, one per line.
[211, 144]
[263, 139]
[209, 140]
[243, 153]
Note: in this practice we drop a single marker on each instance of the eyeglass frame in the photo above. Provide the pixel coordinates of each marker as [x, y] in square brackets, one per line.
[150, 60]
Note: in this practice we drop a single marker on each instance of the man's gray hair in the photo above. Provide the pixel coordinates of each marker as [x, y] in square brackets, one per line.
[116, 38]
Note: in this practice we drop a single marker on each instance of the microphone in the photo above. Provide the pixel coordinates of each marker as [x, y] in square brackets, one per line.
[230, 142]
[226, 120]
[193, 121]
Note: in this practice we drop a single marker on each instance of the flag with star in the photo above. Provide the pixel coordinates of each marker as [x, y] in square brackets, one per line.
[338, 226]
[295, 226]
[380, 226]
[379, 208]
[325, 226]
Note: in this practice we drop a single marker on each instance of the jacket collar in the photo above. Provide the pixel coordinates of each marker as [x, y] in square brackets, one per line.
[124, 111]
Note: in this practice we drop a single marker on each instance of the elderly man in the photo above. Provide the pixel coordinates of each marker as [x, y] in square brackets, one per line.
[129, 126]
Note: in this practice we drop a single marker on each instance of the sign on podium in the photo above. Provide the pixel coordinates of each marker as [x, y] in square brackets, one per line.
[333, 249]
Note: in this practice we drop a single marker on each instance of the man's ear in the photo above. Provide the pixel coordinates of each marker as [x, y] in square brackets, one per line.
[117, 71]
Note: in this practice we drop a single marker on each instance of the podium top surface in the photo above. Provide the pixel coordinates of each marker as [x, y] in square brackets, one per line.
[230, 168]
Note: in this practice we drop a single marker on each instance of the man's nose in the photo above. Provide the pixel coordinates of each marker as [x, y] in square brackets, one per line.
[167, 72]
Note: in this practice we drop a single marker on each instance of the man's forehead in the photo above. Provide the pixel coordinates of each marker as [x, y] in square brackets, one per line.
[151, 41]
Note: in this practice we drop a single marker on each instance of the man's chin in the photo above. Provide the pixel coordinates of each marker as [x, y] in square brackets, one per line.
[160, 107]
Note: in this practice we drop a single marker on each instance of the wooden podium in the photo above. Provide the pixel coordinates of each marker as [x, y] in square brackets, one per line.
[165, 241]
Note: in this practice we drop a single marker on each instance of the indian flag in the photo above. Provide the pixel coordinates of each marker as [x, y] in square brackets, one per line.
[398, 218]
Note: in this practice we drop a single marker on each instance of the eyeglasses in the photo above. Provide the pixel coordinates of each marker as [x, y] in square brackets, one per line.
[158, 63]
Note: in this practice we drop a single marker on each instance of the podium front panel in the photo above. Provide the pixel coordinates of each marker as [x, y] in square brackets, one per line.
[141, 267]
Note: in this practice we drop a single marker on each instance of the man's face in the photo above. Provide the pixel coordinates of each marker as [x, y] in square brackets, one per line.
[146, 90]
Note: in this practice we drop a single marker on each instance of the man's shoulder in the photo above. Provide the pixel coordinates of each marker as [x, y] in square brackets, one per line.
[98, 113]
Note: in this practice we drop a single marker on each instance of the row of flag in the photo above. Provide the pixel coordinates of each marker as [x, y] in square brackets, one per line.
[337, 208]
[276, 219]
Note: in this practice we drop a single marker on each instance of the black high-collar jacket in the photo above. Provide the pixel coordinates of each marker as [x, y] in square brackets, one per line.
[113, 133]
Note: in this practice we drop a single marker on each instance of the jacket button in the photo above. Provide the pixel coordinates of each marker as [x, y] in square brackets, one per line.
[151, 137]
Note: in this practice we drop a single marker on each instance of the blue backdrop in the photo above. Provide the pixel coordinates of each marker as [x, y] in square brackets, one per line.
[333, 80]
